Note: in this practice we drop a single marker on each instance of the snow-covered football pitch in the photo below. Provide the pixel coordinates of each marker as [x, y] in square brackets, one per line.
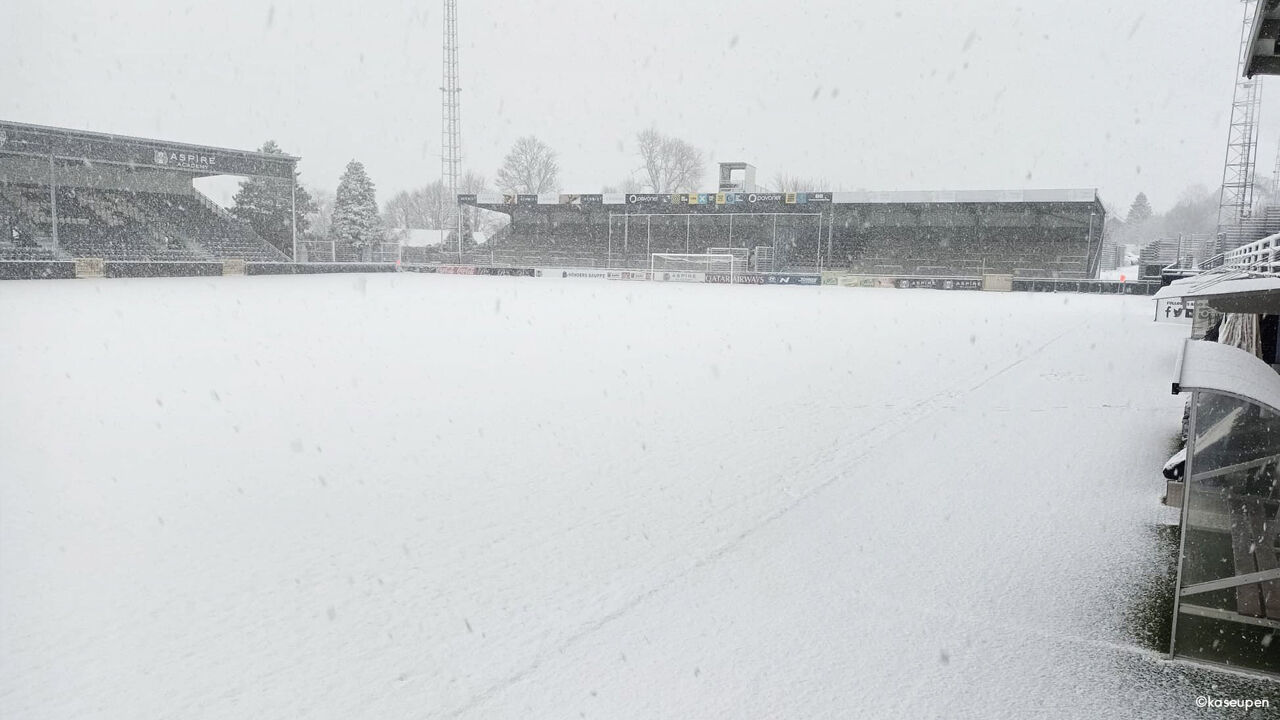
[430, 496]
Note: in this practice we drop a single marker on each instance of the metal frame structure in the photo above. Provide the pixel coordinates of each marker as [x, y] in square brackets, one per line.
[1236, 198]
[1207, 369]
[450, 128]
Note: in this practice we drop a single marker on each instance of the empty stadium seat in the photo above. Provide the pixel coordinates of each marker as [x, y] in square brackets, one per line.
[123, 225]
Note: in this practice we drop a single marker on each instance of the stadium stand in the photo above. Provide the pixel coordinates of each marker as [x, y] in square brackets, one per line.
[73, 194]
[1053, 234]
[123, 225]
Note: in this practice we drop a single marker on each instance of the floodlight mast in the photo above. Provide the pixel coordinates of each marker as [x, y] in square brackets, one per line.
[450, 129]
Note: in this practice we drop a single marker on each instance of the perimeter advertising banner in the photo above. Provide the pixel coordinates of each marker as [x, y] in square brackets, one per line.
[754, 278]
[647, 198]
[571, 274]
[588, 274]
[505, 271]
[134, 152]
[679, 276]
[940, 283]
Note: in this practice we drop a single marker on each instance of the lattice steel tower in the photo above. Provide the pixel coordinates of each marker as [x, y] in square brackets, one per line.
[1236, 200]
[1275, 179]
[450, 131]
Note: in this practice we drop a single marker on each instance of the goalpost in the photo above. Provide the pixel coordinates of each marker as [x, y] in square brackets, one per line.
[781, 235]
[711, 262]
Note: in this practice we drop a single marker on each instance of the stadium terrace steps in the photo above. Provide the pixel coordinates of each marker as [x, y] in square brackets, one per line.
[122, 225]
[9, 251]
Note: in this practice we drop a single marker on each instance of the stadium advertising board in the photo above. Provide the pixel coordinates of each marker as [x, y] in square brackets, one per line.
[1204, 319]
[571, 274]
[792, 279]
[647, 198]
[1175, 310]
[866, 281]
[939, 283]
[743, 278]
[579, 199]
[679, 276]
[505, 271]
[588, 274]
[135, 152]
[755, 278]
[628, 275]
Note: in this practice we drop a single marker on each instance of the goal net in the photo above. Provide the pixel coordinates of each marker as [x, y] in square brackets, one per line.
[711, 262]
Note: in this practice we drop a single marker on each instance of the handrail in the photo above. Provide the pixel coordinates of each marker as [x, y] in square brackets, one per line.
[1261, 255]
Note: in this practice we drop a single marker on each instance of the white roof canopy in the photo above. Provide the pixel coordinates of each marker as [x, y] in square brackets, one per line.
[1228, 370]
[1232, 291]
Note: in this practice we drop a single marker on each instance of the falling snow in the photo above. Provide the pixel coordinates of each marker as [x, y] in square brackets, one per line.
[505, 497]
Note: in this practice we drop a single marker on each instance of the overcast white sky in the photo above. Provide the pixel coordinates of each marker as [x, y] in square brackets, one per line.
[871, 95]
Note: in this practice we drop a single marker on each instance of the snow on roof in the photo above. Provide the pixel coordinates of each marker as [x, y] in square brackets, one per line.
[1206, 365]
[1231, 291]
[967, 196]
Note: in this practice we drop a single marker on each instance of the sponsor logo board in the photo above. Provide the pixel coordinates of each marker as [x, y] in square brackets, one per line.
[571, 273]
[505, 271]
[647, 198]
[939, 283]
[628, 275]
[185, 160]
[679, 276]
[1176, 310]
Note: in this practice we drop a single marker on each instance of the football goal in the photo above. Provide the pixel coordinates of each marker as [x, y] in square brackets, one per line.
[729, 263]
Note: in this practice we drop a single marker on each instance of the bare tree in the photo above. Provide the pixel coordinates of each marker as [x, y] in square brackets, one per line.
[628, 184]
[472, 183]
[671, 164]
[417, 208]
[783, 182]
[483, 221]
[421, 207]
[530, 167]
[322, 216]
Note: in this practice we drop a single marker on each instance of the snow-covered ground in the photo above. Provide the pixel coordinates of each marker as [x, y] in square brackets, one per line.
[1128, 272]
[432, 496]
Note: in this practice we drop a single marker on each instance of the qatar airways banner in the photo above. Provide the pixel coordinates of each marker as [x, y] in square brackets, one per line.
[754, 278]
